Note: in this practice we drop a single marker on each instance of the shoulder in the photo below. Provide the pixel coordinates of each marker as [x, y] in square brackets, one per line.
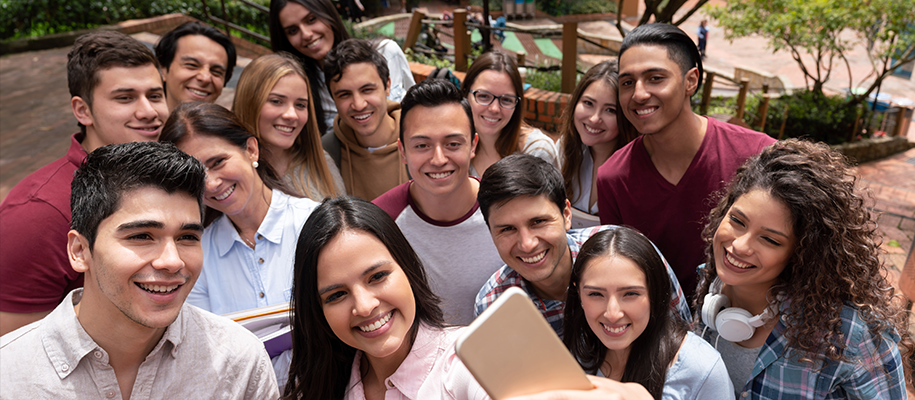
[738, 136]
[219, 334]
[394, 201]
[618, 165]
[499, 282]
[47, 188]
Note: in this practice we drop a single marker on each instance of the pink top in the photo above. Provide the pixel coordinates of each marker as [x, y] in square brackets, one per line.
[431, 371]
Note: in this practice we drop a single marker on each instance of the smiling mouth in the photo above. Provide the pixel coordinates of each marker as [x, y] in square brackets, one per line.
[734, 262]
[362, 117]
[313, 44]
[534, 259]
[198, 92]
[439, 175]
[285, 129]
[157, 289]
[646, 111]
[592, 130]
[225, 194]
[491, 120]
[377, 324]
[614, 330]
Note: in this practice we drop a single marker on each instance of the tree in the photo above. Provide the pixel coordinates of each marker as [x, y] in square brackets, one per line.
[814, 28]
[661, 10]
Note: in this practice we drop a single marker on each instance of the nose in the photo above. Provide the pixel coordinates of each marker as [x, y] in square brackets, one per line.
[741, 245]
[359, 102]
[212, 182]
[613, 312]
[365, 302]
[289, 113]
[145, 110]
[438, 156]
[527, 240]
[204, 75]
[639, 93]
[494, 106]
[169, 259]
[595, 117]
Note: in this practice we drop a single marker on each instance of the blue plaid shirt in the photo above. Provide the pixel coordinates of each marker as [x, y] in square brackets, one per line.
[506, 277]
[873, 370]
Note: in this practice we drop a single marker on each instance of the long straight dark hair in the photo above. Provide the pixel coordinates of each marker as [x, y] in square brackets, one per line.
[652, 352]
[325, 11]
[321, 362]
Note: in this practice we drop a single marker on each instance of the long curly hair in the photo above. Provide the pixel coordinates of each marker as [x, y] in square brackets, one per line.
[836, 261]
[572, 146]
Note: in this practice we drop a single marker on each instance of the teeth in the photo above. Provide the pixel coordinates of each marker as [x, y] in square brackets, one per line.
[362, 117]
[531, 260]
[377, 324]
[592, 130]
[287, 129]
[313, 43]
[736, 263]
[226, 194]
[614, 330]
[487, 119]
[645, 111]
[198, 92]
[157, 288]
[440, 175]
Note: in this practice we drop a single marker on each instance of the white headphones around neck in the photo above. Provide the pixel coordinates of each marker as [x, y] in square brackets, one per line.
[732, 323]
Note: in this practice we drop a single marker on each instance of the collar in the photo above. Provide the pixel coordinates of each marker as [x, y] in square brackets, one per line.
[76, 153]
[66, 342]
[271, 228]
[412, 373]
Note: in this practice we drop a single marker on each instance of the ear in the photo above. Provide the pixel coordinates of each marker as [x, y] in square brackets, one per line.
[163, 72]
[78, 251]
[567, 216]
[81, 110]
[692, 81]
[252, 150]
[473, 144]
[387, 88]
[403, 153]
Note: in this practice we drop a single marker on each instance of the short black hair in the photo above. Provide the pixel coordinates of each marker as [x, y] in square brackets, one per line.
[520, 175]
[352, 51]
[113, 170]
[168, 44]
[680, 48]
[434, 93]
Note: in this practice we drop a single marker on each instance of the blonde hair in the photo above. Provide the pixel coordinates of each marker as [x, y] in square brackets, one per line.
[254, 86]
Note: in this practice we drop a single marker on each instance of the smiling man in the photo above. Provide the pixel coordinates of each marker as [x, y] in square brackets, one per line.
[364, 141]
[524, 203]
[438, 210]
[660, 182]
[196, 61]
[127, 333]
[117, 97]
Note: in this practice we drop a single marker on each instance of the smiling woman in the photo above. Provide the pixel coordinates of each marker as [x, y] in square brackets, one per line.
[785, 241]
[366, 322]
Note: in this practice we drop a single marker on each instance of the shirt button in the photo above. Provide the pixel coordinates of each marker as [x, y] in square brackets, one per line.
[259, 236]
[65, 367]
[109, 394]
[260, 260]
[261, 294]
[744, 394]
[391, 384]
[97, 354]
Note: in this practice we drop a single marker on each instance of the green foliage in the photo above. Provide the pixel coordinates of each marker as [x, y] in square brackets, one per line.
[545, 80]
[812, 115]
[29, 18]
[565, 7]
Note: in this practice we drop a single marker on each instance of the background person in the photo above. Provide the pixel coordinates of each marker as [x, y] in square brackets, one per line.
[367, 325]
[272, 97]
[496, 95]
[618, 323]
[196, 62]
[308, 29]
[784, 243]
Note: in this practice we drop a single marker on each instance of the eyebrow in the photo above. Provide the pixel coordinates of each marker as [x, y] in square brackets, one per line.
[647, 71]
[618, 289]
[367, 271]
[777, 232]
[146, 224]
[449, 136]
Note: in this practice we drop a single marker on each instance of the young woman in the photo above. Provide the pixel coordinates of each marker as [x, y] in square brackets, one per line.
[272, 98]
[366, 325]
[793, 253]
[493, 88]
[619, 325]
[593, 128]
[308, 29]
[252, 218]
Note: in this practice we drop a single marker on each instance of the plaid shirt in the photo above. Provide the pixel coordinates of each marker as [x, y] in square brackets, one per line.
[506, 277]
[873, 370]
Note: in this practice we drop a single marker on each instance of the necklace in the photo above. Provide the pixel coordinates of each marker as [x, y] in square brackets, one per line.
[247, 242]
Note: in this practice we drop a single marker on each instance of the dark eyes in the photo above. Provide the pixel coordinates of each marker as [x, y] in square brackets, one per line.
[333, 297]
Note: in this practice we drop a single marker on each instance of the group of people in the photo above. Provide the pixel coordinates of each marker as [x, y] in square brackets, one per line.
[706, 260]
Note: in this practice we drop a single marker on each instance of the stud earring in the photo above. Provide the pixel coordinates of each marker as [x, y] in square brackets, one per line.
[254, 164]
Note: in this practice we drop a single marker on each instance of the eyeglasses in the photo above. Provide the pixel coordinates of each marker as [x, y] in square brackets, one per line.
[485, 98]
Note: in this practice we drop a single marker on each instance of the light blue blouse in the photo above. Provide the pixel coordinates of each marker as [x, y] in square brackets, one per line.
[236, 277]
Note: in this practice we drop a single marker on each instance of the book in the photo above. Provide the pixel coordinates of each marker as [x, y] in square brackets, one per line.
[271, 324]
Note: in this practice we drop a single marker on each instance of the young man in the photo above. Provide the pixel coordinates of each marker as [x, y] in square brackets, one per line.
[364, 141]
[524, 203]
[117, 97]
[137, 222]
[660, 183]
[438, 210]
[196, 62]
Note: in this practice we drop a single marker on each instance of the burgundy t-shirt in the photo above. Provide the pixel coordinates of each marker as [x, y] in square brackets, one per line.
[632, 192]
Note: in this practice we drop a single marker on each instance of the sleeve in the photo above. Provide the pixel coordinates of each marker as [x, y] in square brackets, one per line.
[34, 266]
[606, 201]
[541, 146]
[459, 382]
[262, 380]
[717, 384]
[398, 69]
[482, 301]
[876, 371]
